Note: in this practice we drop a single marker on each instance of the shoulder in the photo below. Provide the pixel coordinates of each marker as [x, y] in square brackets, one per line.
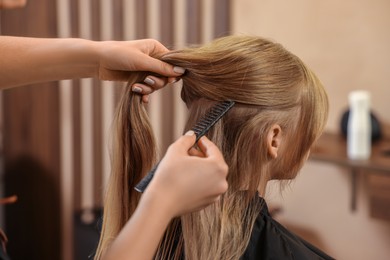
[270, 240]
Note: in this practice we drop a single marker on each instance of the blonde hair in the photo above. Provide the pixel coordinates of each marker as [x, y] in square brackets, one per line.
[270, 86]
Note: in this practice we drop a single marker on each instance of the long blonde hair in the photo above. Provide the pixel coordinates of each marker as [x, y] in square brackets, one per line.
[270, 86]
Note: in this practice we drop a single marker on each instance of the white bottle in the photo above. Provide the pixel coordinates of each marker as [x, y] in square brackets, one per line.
[359, 126]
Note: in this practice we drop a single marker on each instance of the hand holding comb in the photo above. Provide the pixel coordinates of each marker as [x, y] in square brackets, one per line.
[201, 128]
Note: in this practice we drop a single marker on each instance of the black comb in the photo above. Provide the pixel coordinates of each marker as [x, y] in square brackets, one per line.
[201, 128]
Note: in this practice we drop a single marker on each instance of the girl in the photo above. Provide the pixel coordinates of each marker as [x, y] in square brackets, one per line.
[281, 109]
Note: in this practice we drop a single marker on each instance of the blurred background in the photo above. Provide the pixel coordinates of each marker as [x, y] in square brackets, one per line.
[55, 136]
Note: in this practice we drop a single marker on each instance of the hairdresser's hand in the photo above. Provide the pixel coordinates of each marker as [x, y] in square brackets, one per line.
[119, 59]
[188, 183]
[27, 60]
[182, 183]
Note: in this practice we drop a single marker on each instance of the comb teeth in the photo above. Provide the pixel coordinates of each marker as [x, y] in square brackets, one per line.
[211, 117]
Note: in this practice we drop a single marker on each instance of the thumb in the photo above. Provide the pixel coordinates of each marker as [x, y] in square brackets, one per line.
[209, 149]
[162, 68]
[185, 142]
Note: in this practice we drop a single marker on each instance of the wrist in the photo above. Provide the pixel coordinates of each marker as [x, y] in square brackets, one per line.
[70, 58]
[88, 57]
[158, 202]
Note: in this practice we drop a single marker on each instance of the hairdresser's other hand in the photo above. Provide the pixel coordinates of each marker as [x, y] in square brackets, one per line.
[188, 183]
[119, 59]
[181, 184]
[10, 4]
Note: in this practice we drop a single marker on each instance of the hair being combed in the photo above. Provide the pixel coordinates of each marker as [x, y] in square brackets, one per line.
[270, 86]
[133, 155]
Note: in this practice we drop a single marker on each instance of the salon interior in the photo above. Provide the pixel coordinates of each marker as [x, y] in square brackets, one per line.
[54, 136]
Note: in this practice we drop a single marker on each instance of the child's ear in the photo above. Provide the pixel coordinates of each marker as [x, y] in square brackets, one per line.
[274, 139]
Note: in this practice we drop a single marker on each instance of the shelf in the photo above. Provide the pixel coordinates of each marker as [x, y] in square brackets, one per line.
[331, 148]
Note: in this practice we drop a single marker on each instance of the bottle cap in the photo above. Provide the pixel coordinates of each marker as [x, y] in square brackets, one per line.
[359, 97]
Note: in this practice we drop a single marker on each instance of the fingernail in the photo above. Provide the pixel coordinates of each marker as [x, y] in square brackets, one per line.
[190, 133]
[179, 70]
[149, 81]
[136, 89]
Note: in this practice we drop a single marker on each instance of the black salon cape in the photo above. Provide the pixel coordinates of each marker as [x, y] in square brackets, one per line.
[270, 240]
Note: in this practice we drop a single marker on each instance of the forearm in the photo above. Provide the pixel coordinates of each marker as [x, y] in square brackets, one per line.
[141, 235]
[32, 60]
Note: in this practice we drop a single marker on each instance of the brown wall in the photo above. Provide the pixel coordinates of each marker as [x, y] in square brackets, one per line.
[31, 155]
